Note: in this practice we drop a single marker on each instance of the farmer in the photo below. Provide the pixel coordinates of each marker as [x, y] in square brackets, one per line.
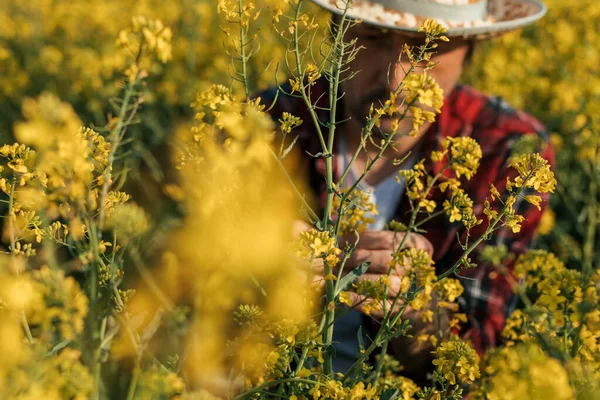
[387, 26]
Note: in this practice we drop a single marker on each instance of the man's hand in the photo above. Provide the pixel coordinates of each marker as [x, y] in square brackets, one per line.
[377, 247]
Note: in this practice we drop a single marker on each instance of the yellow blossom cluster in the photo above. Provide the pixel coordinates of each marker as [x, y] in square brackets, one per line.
[421, 271]
[288, 122]
[414, 179]
[372, 291]
[129, 220]
[423, 88]
[356, 212]
[407, 387]
[61, 308]
[464, 155]
[55, 307]
[524, 372]
[456, 362]
[319, 244]
[449, 289]
[333, 389]
[565, 309]
[158, 379]
[460, 208]
[230, 185]
[60, 376]
[534, 172]
[432, 28]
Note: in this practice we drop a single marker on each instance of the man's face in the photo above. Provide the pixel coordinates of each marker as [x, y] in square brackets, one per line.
[380, 71]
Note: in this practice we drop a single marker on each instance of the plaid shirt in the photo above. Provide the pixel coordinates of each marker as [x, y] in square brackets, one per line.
[488, 299]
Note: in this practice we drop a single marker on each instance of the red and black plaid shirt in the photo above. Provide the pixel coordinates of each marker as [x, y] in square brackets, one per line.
[488, 298]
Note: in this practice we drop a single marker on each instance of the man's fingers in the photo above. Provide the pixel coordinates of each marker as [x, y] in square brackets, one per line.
[375, 240]
[388, 240]
[380, 260]
[419, 242]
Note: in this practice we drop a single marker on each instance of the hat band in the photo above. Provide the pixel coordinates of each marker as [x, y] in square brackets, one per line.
[453, 12]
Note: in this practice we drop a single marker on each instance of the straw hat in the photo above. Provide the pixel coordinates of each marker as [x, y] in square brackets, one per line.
[467, 18]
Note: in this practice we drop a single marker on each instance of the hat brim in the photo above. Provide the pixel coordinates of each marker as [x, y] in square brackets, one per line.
[477, 32]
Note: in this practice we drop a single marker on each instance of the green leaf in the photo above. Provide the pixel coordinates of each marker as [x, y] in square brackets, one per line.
[361, 339]
[352, 277]
[390, 394]
[289, 148]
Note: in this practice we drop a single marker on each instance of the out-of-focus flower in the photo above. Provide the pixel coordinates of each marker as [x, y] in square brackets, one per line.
[457, 362]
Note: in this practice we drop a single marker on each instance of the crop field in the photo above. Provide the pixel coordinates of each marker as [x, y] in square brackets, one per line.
[252, 199]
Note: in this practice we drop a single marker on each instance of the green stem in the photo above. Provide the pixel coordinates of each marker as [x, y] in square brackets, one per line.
[28, 334]
[334, 81]
[134, 377]
[243, 50]
[258, 389]
[424, 220]
[590, 239]
[307, 206]
[93, 310]
[149, 279]
[116, 136]
[13, 243]
[382, 149]
[305, 97]
[379, 367]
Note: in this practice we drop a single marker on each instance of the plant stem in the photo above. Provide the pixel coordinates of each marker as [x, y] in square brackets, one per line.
[243, 50]
[115, 138]
[147, 277]
[258, 389]
[590, 238]
[310, 211]
[334, 81]
[93, 310]
[379, 367]
[307, 101]
[13, 242]
[134, 377]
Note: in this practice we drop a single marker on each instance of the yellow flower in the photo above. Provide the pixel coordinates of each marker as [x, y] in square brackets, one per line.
[494, 192]
[450, 288]
[424, 90]
[429, 205]
[318, 244]
[547, 222]
[357, 211]
[345, 298]
[296, 85]
[465, 154]
[525, 372]
[534, 172]
[457, 362]
[432, 28]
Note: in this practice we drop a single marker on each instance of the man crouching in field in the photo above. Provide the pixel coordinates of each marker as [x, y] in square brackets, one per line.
[387, 26]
